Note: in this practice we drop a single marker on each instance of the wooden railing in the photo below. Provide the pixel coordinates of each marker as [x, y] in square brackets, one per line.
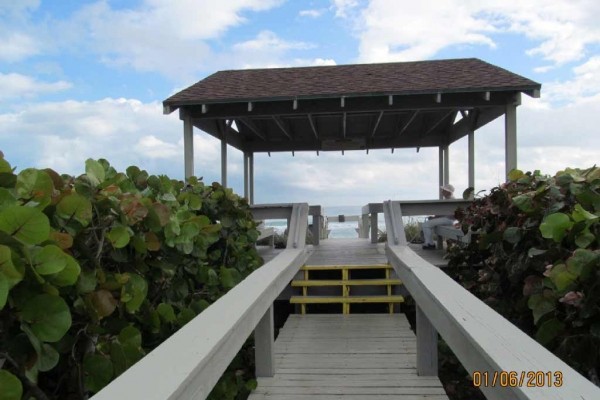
[480, 337]
[282, 211]
[409, 208]
[189, 363]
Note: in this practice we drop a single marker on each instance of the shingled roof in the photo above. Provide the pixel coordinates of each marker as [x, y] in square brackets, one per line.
[402, 78]
[345, 107]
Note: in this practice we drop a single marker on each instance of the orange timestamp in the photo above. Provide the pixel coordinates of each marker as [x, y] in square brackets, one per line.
[517, 378]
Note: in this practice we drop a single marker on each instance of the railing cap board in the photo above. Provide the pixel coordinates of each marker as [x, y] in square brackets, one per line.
[421, 207]
[480, 337]
[190, 362]
[279, 210]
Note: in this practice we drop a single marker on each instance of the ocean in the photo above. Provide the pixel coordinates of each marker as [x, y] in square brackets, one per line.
[339, 230]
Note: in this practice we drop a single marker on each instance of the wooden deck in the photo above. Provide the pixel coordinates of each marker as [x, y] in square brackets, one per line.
[347, 357]
[354, 251]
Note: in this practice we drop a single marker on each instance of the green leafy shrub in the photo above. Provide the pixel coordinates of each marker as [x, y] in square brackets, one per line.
[97, 270]
[536, 259]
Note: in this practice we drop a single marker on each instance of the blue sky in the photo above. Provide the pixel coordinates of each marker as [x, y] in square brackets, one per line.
[82, 79]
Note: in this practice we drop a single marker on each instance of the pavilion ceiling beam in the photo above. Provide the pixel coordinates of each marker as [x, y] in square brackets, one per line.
[377, 121]
[370, 104]
[438, 122]
[477, 119]
[407, 124]
[312, 126]
[282, 126]
[252, 126]
[486, 96]
[211, 127]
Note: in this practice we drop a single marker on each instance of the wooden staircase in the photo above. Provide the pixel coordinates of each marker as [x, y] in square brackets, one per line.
[347, 284]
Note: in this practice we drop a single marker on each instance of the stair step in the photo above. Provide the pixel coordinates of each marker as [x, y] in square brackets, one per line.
[346, 300]
[340, 267]
[353, 282]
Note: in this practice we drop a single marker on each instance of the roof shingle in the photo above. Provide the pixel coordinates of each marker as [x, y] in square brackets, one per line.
[420, 77]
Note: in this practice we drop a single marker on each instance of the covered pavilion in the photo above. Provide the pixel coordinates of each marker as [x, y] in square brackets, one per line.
[352, 107]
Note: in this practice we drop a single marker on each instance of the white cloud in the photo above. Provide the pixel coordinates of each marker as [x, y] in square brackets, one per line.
[314, 13]
[16, 7]
[344, 7]
[15, 46]
[563, 30]
[16, 85]
[584, 85]
[159, 35]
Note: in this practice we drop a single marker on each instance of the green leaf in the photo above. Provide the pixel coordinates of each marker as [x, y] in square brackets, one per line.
[130, 336]
[98, 372]
[229, 277]
[119, 237]
[5, 165]
[580, 214]
[185, 316]
[94, 171]
[35, 185]
[7, 199]
[48, 316]
[87, 281]
[124, 356]
[11, 387]
[549, 330]
[515, 174]
[555, 226]
[28, 225]
[524, 202]
[540, 305]
[48, 358]
[68, 276]
[585, 238]
[75, 206]
[582, 261]
[134, 292]
[562, 277]
[533, 252]
[166, 312]
[49, 260]
[3, 291]
[12, 273]
[512, 235]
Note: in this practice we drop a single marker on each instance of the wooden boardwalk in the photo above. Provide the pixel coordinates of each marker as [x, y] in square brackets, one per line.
[347, 357]
[354, 251]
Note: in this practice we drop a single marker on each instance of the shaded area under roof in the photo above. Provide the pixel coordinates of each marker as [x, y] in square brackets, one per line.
[351, 107]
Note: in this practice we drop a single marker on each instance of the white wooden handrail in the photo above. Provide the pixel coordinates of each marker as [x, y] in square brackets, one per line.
[481, 338]
[188, 364]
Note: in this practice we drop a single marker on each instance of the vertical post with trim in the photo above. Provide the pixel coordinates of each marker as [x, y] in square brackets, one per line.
[446, 164]
[224, 158]
[472, 160]
[188, 144]
[427, 341]
[264, 345]
[374, 230]
[441, 170]
[246, 176]
[251, 177]
[510, 137]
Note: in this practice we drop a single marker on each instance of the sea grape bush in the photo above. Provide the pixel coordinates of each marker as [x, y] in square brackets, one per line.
[536, 259]
[97, 270]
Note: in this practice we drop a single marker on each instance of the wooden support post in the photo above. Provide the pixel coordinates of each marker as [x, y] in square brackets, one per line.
[446, 165]
[264, 346]
[427, 351]
[472, 160]
[316, 229]
[374, 230]
[246, 189]
[251, 177]
[188, 145]
[364, 233]
[441, 170]
[223, 163]
[510, 137]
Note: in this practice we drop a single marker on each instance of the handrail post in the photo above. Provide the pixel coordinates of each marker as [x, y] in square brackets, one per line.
[427, 350]
[374, 230]
[264, 345]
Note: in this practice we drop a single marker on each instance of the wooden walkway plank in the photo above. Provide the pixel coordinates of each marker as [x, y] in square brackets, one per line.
[347, 357]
